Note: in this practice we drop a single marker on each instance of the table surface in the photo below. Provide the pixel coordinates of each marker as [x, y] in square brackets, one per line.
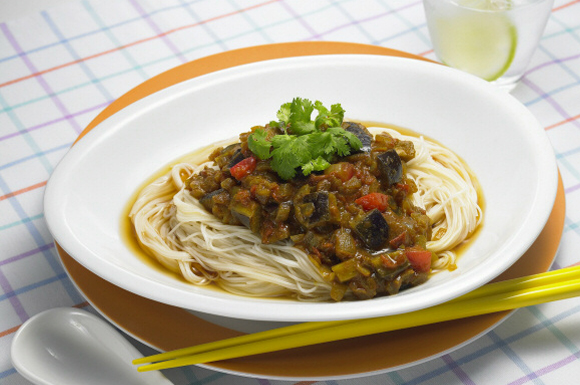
[63, 62]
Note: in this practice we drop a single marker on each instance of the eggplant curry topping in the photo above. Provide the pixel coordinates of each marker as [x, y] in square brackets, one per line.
[337, 192]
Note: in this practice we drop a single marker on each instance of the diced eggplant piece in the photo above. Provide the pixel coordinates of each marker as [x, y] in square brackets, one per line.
[361, 133]
[321, 210]
[224, 156]
[207, 200]
[230, 148]
[311, 239]
[373, 230]
[237, 157]
[390, 166]
[249, 215]
[314, 210]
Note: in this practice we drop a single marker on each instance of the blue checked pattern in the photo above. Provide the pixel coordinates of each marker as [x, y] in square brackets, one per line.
[60, 67]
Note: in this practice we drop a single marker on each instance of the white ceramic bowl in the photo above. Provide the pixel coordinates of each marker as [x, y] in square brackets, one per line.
[497, 136]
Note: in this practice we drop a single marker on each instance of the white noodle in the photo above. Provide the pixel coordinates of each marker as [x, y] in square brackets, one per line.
[176, 229]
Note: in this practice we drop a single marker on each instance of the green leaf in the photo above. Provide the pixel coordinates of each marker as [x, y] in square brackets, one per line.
[351, 139]
[284, 112]
[259, 145]
[311, 145]
[300, 112]
[326, 118]
[290, 152]
[302, 128]
[341, 146]
[319, 143]
[318, 164]
[282, 140]
[276, 124]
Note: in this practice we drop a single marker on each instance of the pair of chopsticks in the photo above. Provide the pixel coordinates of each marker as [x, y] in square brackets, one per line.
[500, 296]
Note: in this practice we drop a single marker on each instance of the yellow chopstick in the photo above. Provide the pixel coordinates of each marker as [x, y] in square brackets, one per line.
[521, 283]
[491, 298]
[524, 283]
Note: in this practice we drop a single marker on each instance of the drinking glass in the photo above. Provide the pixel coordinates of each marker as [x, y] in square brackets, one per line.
[493, 39]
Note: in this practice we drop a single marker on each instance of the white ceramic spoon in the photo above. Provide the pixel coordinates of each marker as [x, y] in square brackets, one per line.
[65, 346]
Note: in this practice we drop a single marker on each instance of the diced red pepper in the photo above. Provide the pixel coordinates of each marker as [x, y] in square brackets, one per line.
[419, 259]
[243, 196]
[243, 168]
[403, 187]
[398, 240]
[374, 201]
[342, 170]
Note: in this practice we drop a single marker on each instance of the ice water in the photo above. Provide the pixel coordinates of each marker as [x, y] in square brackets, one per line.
[493, 39]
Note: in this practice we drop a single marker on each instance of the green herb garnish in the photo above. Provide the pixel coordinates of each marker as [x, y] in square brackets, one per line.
[306, 144]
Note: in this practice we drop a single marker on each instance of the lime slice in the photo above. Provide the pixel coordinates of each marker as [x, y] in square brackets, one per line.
[479, 42]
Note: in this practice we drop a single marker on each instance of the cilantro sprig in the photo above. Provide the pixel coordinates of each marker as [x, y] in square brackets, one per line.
[305, 144]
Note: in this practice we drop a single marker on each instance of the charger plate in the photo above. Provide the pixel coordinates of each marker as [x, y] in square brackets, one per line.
[165, 327]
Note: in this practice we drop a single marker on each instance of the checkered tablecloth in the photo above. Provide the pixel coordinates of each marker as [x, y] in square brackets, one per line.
[61, 66]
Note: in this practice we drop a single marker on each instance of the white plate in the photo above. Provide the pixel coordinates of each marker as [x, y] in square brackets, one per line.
[497, 136]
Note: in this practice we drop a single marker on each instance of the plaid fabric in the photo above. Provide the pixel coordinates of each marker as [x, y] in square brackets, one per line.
[60, 67]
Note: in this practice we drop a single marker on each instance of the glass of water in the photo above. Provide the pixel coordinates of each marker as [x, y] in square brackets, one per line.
[492, 39]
